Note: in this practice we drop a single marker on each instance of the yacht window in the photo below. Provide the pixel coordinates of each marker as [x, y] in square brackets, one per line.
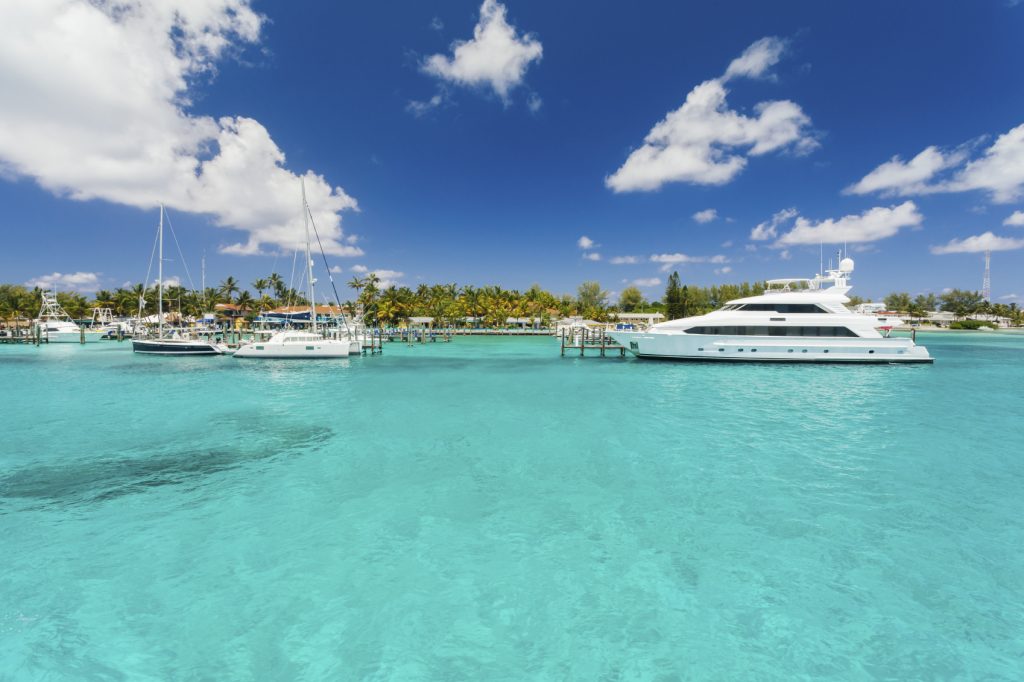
[772, 331]
[782, 307]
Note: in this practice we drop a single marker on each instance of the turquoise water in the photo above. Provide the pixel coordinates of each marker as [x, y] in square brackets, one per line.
[485, 509]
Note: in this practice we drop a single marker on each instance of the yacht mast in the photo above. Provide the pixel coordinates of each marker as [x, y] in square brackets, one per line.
[309, 257]
[160, 279]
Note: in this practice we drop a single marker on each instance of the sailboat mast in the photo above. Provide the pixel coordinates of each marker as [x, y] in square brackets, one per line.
[309, 257]
[160, 279]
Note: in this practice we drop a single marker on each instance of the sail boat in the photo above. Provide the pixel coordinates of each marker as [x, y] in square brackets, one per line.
[292, 343]
[173, 344]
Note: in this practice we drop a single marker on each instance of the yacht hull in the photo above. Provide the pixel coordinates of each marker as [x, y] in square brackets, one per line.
[71, 337]
[175, 347]
[680, 346]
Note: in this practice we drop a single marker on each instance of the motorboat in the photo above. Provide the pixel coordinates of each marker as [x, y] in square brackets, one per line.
[54, 325]
[794, 320]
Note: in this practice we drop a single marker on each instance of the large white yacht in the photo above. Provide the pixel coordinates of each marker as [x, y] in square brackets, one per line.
[794, 320]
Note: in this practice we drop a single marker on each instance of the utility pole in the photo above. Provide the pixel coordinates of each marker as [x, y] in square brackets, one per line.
[986, 282]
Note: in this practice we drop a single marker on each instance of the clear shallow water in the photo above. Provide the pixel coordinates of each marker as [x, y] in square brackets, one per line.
[487, 510]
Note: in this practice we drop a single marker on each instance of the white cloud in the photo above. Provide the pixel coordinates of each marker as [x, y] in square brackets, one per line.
[172, 281]
[388, 278]
[668, 260]
[871, 225]
[534, 103]
[359, 269]
[705, 216]
[978, 243]
[785, 255]
[756, 59]
[418, 109]
[496, 56]
[704, 142]
[96, 106]
[71, 281]
[1016, 219]
[336, 269]
[727, 244]
[1009, 297]
[592, 255]
[723, 271]
[646, 282]
[769, 228]
[894, 177]
[586, 242]
[999, 170]
[436, 24]
[624, 260]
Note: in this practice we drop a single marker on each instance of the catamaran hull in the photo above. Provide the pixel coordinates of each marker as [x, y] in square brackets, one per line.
[678, 346]
[295, 351]
[159, 347]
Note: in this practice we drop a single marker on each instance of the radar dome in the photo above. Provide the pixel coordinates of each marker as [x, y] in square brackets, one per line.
[846, 265]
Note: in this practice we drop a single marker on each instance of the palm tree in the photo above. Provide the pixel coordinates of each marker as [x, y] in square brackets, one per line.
[244, 301]
[357, 284]
[229, 287]
[261, 285]
[277, 284]
[265, 302]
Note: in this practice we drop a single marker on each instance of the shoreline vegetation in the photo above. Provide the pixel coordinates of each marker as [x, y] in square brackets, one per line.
[487, 306]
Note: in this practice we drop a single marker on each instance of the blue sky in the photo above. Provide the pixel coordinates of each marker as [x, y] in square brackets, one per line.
[479, 143]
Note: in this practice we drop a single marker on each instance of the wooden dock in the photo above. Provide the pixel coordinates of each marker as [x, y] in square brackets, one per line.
[594, 340]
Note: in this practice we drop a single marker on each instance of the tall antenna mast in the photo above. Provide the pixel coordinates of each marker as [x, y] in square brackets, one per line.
[160, 280]
[309, 258]
[986, 282]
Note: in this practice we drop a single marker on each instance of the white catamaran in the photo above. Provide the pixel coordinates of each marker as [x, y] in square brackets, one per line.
[174, 343]
[311, 344]
[795, 320]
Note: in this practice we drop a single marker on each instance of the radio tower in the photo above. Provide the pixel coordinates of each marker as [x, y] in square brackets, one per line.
[986, 283]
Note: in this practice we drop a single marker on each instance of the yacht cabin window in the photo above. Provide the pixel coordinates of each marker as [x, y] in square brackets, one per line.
[772, 331]
[781, 307]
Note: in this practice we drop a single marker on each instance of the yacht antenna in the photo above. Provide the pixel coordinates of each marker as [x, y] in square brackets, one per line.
[309, 259]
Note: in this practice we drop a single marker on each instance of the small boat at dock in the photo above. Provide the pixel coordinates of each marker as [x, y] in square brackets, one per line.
[56, 326]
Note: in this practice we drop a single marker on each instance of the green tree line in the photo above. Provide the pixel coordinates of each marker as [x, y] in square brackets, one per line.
[491, 305]
[961, 302]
